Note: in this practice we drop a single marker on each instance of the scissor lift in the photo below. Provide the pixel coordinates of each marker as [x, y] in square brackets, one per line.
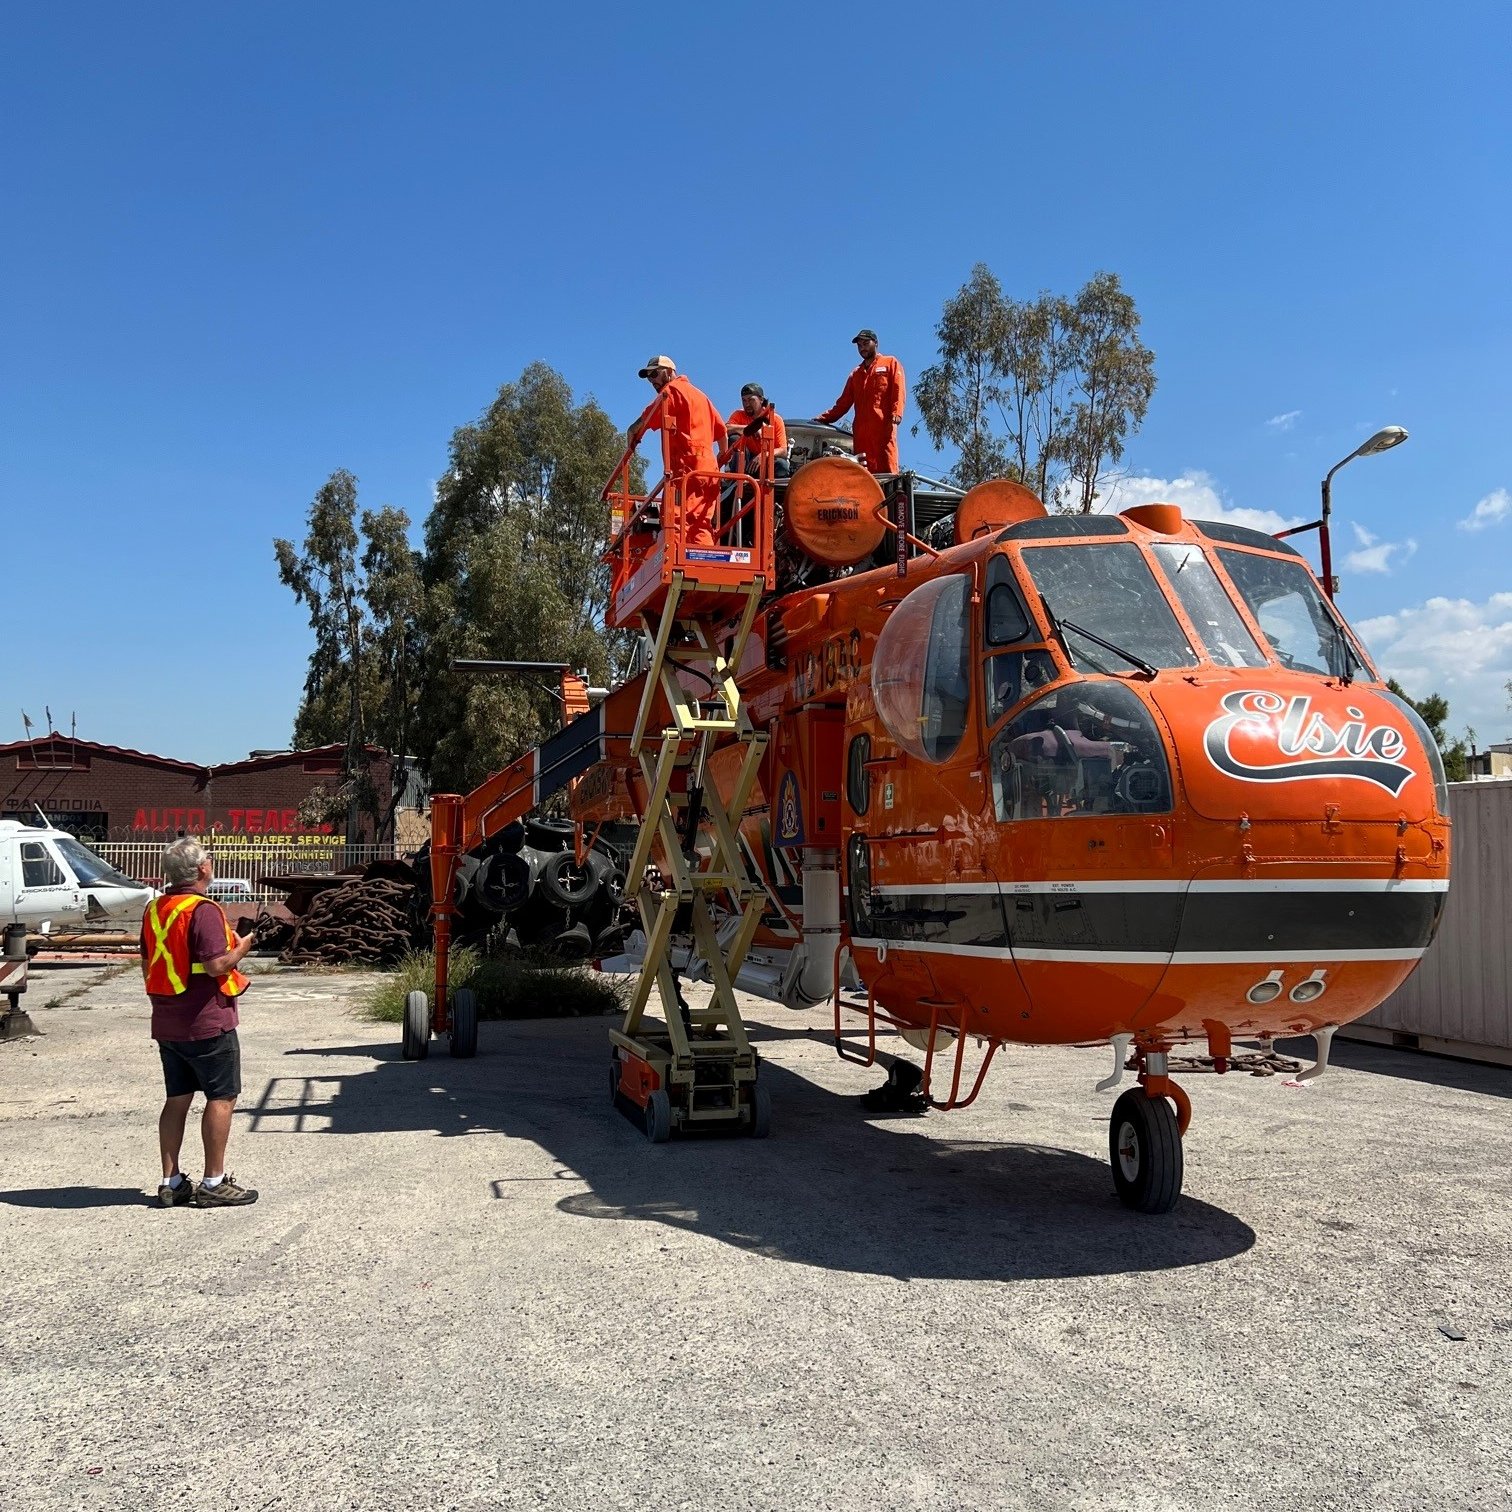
[696, 604]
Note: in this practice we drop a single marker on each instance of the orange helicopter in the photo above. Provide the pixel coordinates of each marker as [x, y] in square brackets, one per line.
[1019, 777]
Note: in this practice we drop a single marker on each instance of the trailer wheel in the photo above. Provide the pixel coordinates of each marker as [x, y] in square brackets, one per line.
[1144, 1147]
[464, 1024]
[416, 1038]
[658, 1117]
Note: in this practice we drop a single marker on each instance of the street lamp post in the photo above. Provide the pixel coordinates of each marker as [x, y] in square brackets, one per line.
[1383, 440]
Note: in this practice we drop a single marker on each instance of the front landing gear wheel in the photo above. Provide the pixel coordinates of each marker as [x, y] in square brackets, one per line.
[1144, 1146]
[464, 1024]
[416, 1040]
[658, 1117]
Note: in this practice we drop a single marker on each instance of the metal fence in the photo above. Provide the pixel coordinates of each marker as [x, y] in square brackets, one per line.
[278, 855]
[1460, 998]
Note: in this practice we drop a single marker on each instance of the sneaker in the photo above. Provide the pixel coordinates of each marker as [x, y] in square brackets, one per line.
[225, 1194]
[170, 1196]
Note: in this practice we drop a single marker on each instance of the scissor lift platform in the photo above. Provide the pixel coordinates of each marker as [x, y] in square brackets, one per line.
[697, 606]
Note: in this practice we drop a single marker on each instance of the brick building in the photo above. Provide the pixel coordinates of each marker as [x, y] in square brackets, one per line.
[104, 792]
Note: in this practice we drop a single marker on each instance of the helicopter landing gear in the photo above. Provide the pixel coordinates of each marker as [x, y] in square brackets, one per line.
[1144, 1139]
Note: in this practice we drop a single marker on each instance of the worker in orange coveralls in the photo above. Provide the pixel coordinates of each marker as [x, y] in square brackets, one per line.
[877, 392]
[746, 426]
[696, 431]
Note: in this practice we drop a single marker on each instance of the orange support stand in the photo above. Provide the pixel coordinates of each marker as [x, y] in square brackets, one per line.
[446, 850]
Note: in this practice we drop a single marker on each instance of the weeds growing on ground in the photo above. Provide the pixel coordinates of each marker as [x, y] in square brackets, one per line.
[531, 985]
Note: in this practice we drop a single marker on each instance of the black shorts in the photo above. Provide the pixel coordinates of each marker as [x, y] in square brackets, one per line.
[211, 1066]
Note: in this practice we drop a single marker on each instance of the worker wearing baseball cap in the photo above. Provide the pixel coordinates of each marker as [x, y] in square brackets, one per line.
[877, 392]
[693, 432]
[747, 425]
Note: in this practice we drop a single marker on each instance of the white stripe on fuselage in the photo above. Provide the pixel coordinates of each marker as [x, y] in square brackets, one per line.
[1137, 957]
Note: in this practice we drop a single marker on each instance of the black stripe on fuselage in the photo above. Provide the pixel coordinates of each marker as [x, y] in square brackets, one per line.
[1309, 920]
[1259, 921]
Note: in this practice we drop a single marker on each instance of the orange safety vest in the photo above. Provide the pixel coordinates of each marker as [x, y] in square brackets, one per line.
[165, 934]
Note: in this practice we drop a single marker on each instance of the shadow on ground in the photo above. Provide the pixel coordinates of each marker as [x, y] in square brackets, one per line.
[1410, 1065]
[830, 1188]
[78, 1197]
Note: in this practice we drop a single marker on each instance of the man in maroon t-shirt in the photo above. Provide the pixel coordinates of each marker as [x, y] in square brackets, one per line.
[195, 1030]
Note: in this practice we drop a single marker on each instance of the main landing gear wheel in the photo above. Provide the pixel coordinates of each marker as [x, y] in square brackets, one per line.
[658, 1117]
[1144, 1146]
[464, 1024]
[416, 1040]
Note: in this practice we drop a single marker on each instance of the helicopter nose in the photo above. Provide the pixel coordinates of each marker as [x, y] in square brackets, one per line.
[1289, 749]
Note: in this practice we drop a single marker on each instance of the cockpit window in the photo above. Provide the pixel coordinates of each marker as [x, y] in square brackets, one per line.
[1290, 610]
[920, 672]
[1007, 623]
[1208, 606]
[1086, 748]
[89, 868]
[1109, 590]
[38, 866]
[1012, 676]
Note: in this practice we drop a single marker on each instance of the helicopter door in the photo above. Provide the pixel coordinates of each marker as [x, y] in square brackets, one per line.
[47, 886]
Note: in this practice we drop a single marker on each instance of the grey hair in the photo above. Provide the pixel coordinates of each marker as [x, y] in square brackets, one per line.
[182, 861]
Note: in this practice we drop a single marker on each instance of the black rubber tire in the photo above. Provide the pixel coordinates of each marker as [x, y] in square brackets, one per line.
[761, 1112]
[464, 1024]
[614, 1079]
[566, 883]
[1144, 1149]
[415, 1039]
[548, 834]
[658, 1117]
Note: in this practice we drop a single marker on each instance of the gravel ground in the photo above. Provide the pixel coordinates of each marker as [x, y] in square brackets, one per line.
[473, 1284]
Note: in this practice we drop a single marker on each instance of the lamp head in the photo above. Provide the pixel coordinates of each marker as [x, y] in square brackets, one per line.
[1383, 440]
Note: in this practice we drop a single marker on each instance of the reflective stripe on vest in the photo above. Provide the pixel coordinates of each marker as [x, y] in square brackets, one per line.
[233, 984]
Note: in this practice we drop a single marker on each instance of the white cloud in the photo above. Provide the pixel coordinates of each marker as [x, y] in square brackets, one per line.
[1492, 510]
[1376, 555]
[1284, 422]
[1199, 497]
[1455, 647]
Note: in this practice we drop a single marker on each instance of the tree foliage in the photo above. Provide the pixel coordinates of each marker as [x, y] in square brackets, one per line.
[511, 569]
[1434, 712]
[360, 686]
[1045, 391]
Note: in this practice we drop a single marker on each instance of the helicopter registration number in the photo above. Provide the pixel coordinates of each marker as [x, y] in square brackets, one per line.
[833, 665]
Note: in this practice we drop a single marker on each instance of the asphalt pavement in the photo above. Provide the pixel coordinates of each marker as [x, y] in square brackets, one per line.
[473, 1284]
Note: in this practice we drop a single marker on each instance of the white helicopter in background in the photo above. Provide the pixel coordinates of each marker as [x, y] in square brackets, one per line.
[51, 880]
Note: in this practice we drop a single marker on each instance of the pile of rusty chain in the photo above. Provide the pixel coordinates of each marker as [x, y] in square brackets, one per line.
[1255, 1062]
[366, 920]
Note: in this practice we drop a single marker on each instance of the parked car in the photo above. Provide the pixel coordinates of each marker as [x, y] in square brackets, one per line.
[230, 890]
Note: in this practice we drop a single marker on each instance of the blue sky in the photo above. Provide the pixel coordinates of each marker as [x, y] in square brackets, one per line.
[244, 246]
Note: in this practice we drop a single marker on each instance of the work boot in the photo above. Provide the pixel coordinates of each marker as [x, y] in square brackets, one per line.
[226, 1194]
[170, 1196]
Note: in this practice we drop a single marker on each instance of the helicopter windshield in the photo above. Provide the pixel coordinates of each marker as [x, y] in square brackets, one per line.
[1109, 590]
[89, 868]
[1290, 610]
